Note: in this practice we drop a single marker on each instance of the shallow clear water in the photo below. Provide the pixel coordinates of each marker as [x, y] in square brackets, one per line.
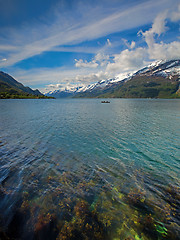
[80, 169]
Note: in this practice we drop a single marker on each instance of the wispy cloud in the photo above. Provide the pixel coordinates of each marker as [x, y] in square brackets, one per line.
[84, 23]
[59, 75]
[158, 27]
[128, 60]
[133, 58]
[100, 59]
[59, 33]
[77, 49]
[130, 45]
[175, 15]
[161, 50]
[85, 64]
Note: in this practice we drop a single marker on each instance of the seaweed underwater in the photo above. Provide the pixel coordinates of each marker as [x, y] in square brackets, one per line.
[65, 205]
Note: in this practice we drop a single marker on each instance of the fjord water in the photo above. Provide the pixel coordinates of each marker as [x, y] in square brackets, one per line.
[80, 169]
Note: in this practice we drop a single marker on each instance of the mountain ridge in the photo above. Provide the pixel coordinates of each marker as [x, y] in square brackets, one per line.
[11, 88]
[159, 79]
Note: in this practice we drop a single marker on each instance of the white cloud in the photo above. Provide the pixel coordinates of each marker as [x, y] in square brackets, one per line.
[175, 16]
[76, 49]
[82, 24]
[59, 75]
[100, 59]
[109, 42]
[134, 58]
[133, 44]
[158, 28]
[53, 86]
[57, 37]
[58, 78]
[128, 60]
[92, 77]
[165, 51]
[159, 25]
[62, 87]
[3, 60]
[80, 63]
[129, 45]
[6, 47]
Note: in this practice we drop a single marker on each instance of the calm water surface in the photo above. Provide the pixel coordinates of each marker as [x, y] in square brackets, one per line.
[79, 169]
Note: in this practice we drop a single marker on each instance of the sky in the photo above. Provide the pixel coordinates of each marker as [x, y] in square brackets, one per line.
[60, 44]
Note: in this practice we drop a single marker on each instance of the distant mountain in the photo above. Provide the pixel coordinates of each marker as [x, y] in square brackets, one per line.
[65, 93]
[10, 88]
[160, 79]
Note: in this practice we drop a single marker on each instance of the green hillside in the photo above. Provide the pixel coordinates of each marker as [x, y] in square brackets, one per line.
[139, 87]
[10, 88]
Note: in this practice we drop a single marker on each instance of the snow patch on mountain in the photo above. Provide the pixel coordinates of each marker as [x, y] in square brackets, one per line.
[159, 68]
[155, 64]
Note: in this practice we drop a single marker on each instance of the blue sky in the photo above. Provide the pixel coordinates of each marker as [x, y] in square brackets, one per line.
[56, 44]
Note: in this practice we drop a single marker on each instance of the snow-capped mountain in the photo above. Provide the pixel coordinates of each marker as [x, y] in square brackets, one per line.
[161, 69]
[101, 84]
[107, 82]
[67, 92]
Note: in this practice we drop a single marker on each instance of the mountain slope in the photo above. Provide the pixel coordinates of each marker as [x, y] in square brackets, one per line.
[158, 80]
[67, 93]
[10, 88]
[145, 87]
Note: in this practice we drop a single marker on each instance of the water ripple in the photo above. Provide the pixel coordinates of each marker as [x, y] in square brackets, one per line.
[122, 159]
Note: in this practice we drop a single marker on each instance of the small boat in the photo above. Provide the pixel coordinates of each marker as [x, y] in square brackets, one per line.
[105, 102]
